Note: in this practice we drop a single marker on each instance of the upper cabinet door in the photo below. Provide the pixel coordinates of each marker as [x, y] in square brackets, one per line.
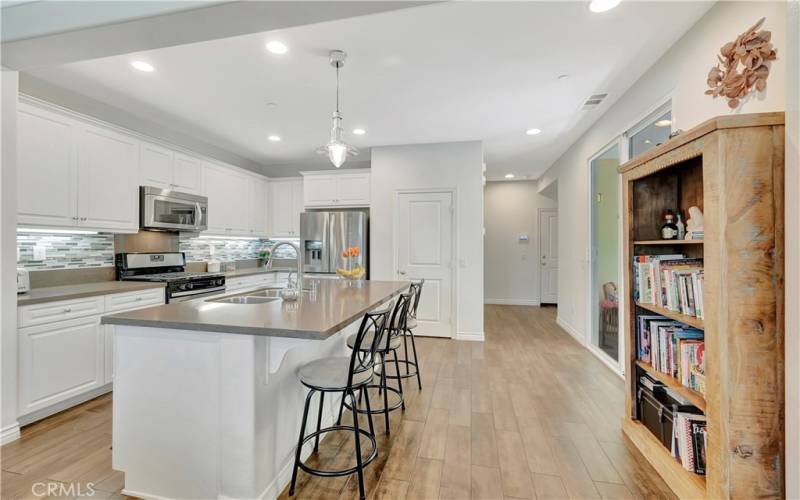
[228, 201]
[319, 190]
[353, 189]
[108, 173]
[156, 166]
[297, 205]
[187, 174]
[46, 189]
[281, 209]
[259, 208]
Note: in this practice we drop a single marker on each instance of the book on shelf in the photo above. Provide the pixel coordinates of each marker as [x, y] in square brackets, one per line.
[673, 282]
[672, 348]
[689, 438]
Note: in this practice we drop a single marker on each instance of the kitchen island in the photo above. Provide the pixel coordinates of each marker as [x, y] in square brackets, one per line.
[206, 400]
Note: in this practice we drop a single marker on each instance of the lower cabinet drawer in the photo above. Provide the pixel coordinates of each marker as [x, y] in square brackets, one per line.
[134, 300]
[49, 312]
[246, 282]
[58, 361]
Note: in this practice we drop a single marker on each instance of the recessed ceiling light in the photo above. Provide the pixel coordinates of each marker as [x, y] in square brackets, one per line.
[274, 138]
[359, 131]
[648, 141]
[663, 123]
[603, 5]
[143, 66]
[277, 47]
[509, 176]
[533, 131]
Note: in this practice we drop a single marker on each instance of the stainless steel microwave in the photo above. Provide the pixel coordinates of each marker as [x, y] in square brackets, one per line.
[167, 210]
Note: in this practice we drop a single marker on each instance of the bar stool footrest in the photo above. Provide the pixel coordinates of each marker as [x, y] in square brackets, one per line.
[342, 472]
[404, 375]
[378, 411]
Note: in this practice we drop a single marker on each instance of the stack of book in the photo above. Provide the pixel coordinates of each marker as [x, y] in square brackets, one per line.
[673, 282]
[672, 348]
[689, 438]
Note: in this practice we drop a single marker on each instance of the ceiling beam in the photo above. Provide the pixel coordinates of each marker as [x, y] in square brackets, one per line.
[218, 20]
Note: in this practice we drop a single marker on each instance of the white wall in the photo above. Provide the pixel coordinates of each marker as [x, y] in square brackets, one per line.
[511, 266]
[681, 73]
[9, 430]
[792, 256]
[455, 165]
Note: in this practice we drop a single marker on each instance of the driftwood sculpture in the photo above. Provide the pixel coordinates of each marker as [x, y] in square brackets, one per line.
[744, 65]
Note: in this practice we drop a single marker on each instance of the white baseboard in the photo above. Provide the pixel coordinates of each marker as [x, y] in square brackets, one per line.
[29, 418]
[511, 302]
[9, 433]
[571, 330]
[471, 336]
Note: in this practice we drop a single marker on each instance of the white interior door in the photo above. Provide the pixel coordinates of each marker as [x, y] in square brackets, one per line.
[425, 250]
[548, 256]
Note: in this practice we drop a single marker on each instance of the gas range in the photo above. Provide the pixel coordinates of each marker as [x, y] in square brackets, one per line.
[169, 268]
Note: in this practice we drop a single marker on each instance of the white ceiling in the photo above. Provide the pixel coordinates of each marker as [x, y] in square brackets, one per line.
[444, 72]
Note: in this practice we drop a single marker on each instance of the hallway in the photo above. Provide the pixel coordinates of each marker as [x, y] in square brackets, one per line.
[527, 414]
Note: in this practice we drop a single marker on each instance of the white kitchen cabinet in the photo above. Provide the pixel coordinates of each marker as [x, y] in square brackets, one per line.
[286, 203]
[187, 174]
[120, 302]
[64, 351]
[156, 165]
[74, 174]
[108, 190]
[46, 172]
[336, 190]
[252, 282]
[259, 208]
[228, 195]
[58, 361]
[319, 190]
[168, 169]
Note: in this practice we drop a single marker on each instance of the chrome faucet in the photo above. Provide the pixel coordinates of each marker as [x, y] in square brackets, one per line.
[299, 261]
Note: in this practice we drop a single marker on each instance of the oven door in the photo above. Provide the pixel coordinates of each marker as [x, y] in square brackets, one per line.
[165, 209]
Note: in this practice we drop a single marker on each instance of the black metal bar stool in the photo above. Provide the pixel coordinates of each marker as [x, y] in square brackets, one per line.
[389, 344]
[346, 375]
[407, 331]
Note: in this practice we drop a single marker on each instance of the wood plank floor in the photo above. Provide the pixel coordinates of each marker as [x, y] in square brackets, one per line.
[527, 414]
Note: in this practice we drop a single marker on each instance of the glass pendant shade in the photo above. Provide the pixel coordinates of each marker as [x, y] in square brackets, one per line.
[336, 149]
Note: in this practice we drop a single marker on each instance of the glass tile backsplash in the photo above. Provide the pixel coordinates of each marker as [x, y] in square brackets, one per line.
[199, 249]
[39, 251]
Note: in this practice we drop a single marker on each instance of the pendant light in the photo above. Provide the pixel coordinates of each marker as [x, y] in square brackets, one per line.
[336, 149]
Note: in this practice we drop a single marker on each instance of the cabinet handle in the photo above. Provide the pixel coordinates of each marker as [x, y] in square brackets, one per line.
[75, 218]
[84, 218]
[67, 309]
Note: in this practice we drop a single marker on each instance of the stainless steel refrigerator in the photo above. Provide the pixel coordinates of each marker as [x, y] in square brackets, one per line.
[325, 235]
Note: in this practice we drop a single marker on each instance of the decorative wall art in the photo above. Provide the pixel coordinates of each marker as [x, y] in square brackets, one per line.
[743, 64]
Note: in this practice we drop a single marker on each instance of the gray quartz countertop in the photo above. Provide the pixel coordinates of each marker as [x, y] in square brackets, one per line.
[317, 315]
[67, 292]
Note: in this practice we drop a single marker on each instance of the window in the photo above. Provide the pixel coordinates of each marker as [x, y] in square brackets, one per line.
[650, 132]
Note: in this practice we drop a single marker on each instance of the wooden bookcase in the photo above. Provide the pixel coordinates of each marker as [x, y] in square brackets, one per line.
[732, 168]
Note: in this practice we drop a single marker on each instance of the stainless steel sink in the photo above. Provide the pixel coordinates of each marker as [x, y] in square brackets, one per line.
[247, 299]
